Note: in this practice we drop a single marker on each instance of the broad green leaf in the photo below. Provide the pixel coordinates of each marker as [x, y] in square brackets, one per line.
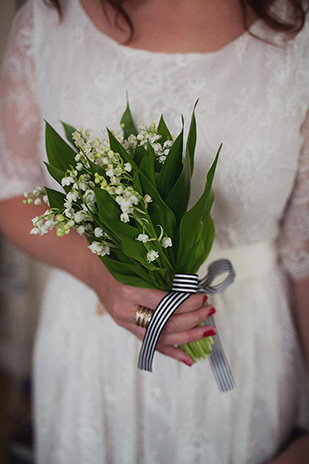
[68, 133]
[172, 168]
[167, 216]
[123, 229]
[163, 131]
[178, 197]
[59, 153]
[164, 215]
[57, 174]
[188, 260]
[126, 279]
[108, 210]
[204, 245]
[126, 273]
[147, 164]
[118, 148]
[139, 154]
[140, 269]
[127, 122]
[137, 184]
[137, 251]
[55, 198]
[191, 140]
[125, 270]
[189, 223]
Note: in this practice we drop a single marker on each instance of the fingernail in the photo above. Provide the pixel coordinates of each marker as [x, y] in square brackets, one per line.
[211, 311]
[209, 332]
[187, 363]
[205, 298]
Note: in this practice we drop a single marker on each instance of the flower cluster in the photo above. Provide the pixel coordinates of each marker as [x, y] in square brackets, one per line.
[148, 134]
[36, 197]
[115, 177]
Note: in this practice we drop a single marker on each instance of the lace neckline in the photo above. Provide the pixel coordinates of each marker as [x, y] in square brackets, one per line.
[142, 51]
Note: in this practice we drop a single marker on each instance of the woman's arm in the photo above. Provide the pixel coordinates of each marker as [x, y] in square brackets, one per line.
[298, 451]
[71, 254]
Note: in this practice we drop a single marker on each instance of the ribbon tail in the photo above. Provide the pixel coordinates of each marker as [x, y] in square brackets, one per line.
[218, 362]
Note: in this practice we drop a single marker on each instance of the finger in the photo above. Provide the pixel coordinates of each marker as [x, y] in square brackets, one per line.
[187, 336]
[186, 321]
[168, 350]
[154, 297]
[175, 353]
[179, 338]
[193, 303]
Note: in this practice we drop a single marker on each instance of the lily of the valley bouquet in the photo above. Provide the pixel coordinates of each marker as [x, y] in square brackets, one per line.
[128, 193]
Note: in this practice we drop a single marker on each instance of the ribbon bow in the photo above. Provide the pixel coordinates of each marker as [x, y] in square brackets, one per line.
[183, 286]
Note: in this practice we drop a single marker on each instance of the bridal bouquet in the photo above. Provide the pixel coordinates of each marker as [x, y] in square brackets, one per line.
[128, 193]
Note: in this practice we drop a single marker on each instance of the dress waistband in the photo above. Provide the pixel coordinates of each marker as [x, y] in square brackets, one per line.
[248, 261]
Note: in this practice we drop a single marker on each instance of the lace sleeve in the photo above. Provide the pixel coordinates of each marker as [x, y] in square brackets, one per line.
[294, 239]
[20, 120]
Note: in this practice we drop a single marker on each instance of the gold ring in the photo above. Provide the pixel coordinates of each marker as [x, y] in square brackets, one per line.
[143, 316]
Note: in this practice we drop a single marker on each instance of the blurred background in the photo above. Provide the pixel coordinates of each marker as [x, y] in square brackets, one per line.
[21, 284]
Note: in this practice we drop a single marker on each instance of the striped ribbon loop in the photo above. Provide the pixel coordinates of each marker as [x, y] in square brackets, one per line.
[183, 286]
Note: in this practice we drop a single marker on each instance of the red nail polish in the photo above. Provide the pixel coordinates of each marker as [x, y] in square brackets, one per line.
[211, 311]
[209, 332]
[187, 363]
[205, 298]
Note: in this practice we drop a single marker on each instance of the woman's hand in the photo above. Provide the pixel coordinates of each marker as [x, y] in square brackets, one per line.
[122, 302]
[71, 254]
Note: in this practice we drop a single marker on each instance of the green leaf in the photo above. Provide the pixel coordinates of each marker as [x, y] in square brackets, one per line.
[162, 129]
[59, 153]
[124, 269]
[137, 183]
[172, 168]
[191, 219]
[138, 268]
[191, 140]
[126, 278]
[129, 126]
[55, 198]
[164, 214]
[108, 210]
[204, 245]
[139, 154]
[95, 168]
[147, 164]
[57, 174]
[179, 195]
[167, 216]
[118, 148]
[68, 132]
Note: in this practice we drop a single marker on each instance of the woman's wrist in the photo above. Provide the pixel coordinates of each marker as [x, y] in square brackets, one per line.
[94, 273]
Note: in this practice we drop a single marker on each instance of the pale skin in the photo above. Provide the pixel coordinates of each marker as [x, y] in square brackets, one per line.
[167, 26]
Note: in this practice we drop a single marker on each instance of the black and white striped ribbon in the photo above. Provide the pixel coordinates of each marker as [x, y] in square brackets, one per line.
[183, 286]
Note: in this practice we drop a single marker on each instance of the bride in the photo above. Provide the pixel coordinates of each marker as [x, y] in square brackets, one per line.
[73, 61]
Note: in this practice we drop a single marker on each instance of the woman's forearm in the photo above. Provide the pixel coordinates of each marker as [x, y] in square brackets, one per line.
[296, 453]
[69, 252]
[301, 299]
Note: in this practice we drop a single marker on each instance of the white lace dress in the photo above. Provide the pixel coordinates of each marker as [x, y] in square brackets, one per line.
[92, 404]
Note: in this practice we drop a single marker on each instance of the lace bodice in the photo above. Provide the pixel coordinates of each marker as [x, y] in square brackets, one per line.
[253, 98]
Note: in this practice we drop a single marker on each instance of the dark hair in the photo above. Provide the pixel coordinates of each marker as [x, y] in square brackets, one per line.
[262, 8]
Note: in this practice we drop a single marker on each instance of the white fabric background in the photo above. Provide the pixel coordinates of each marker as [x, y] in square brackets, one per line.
[92, 405]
